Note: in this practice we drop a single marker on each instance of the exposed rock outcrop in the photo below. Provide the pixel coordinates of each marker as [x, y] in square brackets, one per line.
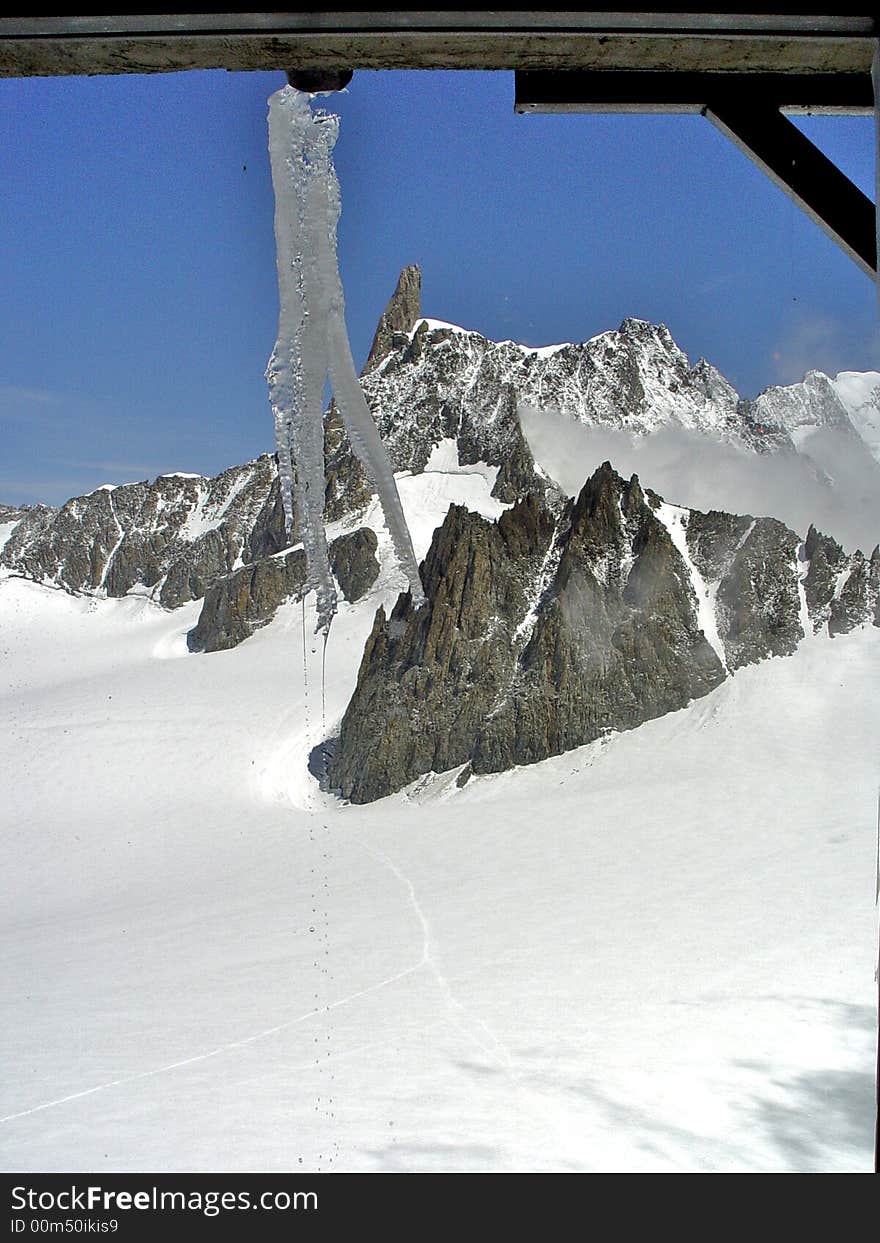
[239, 603]
[541, 632]
[559, 623]
[841, 591]
[826, 562]
[757, 602]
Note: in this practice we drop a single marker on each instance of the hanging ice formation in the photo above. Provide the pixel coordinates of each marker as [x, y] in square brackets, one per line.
[313, 343]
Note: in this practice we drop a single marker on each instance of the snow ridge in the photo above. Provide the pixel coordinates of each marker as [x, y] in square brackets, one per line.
[634, 378]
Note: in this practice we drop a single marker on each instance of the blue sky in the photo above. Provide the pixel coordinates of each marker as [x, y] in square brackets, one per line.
[139, 292]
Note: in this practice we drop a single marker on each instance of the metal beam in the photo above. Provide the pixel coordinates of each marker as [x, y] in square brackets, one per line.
[573, 91]
[746, 109]
[805, 173]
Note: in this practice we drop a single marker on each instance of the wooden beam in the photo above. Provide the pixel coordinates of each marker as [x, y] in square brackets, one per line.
[804, 43]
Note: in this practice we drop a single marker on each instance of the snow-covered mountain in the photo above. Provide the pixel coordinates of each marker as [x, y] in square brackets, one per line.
[851, 401]
[435, 380]
[652, 950]
[440, 394]
[652, 953]
[171, 537]
[555, 625]
[572, 617]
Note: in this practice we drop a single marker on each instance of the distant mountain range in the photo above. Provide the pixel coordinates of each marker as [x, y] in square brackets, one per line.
[565, 618]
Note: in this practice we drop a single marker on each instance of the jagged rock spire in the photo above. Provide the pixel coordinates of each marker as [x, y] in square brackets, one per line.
[400, 315]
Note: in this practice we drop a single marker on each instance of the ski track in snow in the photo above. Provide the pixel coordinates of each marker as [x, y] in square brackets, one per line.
[462, 1018]
[228, 1047]
[496, 1051]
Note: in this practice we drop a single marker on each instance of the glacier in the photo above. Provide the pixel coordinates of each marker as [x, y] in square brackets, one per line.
[669, 934]
[313, 343]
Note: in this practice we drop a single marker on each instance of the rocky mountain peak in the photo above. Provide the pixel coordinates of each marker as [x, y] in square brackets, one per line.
[811, 403]
[564, 618]
[400, 315]
[644, 330]
[541, 631]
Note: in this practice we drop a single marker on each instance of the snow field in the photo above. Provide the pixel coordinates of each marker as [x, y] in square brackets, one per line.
[652, 953]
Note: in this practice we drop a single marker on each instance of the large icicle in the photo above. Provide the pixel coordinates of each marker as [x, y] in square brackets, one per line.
[298, 365]
[313, 342]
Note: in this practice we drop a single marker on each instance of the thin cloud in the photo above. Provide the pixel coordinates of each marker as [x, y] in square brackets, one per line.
[132, 470]
[17, 401]
[821, 343]
[834, 482]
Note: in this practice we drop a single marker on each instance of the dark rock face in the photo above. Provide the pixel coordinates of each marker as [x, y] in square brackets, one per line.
[517, 473]
[857, 594]
[353, 561]
[714, 540]
[562, 622]
[347, 488]
[758, 603]
[268, 534]
[540, 632]
[239, 603]
[432, 390]
[753, 564]
[842, 591]
[826, 562]
[399, 316]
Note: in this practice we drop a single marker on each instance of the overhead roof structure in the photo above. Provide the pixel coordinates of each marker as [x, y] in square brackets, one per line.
[742, 70]
[813, 42]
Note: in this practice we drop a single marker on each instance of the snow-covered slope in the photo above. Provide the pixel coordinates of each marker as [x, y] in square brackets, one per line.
[653, 953]
[859, 393]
